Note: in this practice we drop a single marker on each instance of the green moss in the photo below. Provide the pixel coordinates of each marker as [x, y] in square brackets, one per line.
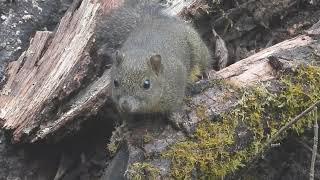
[116, 139]
[112, 148]
[262, 111]
[201, 112]
[194, 74]
[139, 171]
[147, 137]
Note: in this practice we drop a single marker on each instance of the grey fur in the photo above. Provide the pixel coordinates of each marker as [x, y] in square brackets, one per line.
[142, 32]
[114, 28]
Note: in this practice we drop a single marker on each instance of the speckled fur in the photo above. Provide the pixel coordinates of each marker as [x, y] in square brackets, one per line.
[181, 50]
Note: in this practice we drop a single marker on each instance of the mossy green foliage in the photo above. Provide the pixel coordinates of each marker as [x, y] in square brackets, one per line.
[112, 148]
[262, 111]
[115, 140]
[143, 170]
[148, 137]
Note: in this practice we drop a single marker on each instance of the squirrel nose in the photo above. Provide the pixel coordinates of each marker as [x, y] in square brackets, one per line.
[125, 106]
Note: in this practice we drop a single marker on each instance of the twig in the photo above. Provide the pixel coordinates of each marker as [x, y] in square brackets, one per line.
[315, 144]
[306, 146]
[277, 135]
[289, 124]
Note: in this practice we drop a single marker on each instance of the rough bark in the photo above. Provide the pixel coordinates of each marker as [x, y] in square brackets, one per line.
[19, 20]
[50, 73]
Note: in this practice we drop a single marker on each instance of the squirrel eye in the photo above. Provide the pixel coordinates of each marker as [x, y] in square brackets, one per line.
[146, 84]
[116, 83]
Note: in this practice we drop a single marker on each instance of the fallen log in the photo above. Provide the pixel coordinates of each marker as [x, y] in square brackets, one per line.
[50, 73]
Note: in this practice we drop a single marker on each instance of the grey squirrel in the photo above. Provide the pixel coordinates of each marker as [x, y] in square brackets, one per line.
[154, 57]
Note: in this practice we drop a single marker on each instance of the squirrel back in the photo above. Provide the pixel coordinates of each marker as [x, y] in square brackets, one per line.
[113, 28]
[156, 59]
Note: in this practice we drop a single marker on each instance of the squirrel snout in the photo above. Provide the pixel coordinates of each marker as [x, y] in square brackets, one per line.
[125, 106]
[128, 104]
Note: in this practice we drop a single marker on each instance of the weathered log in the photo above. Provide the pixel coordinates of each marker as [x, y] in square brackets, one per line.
[51, 72]
[19, 20]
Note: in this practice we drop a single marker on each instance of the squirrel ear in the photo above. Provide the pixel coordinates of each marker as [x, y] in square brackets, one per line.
[155, 63]
[118, 57]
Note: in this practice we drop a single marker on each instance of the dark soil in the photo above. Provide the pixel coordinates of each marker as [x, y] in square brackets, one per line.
[290, 161]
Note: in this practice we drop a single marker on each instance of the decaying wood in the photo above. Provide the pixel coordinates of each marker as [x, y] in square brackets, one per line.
[258, 67]
[49, 72]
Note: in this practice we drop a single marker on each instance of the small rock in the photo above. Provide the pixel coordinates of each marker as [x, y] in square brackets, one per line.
[3, 17]
[26, 17]
[3, 45]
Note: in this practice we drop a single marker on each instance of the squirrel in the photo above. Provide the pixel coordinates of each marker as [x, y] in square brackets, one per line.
[154, 57]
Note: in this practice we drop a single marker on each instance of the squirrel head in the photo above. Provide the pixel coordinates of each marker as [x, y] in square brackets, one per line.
[137, 81]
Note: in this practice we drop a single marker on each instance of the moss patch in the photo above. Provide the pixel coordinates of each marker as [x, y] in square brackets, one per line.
[139, 171]
[148, 137]
[211, 151]
[116, 139]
